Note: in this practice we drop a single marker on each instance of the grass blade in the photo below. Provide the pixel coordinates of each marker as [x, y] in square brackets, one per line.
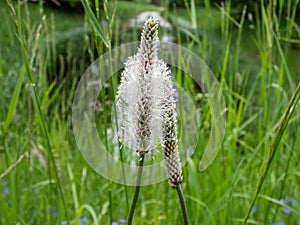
[35, 98]
[282, 125]
[14, 101]
[95, 22]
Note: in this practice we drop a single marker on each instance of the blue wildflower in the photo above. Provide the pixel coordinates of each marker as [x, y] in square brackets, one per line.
[287, 210]
[122, 220]
[289, 199]
[55, 214]
[6, 191]
[280, 223]
[82, 220]
[114, 223]
[254, 209]
[63, 222]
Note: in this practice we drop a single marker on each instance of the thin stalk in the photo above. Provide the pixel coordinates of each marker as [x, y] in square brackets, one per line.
[124, 176]
[182, 204]
[36, 101]
[137, 189]
[274, 146]
[121, 147]
[110, 207]
[287, 167]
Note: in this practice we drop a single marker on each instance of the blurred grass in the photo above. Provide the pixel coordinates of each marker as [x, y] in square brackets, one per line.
[127, 10]
[257, 69]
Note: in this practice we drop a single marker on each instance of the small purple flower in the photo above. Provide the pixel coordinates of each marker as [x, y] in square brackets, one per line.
[122, 220]
[289, 199]
[287, 210]
[280, 223]
[254, 209]
[55, 214]
[6, 191]
[82, 220]
[63, 222]
[114, 223]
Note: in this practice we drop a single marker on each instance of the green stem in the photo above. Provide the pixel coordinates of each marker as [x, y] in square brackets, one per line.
[137, 190]
[110, 207]
[273, 148]
[36, 101]
[182, 204]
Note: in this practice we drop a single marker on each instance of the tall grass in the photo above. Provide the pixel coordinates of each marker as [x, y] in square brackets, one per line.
[43, 177]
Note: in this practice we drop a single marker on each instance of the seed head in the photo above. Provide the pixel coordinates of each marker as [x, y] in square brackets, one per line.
[146, 105]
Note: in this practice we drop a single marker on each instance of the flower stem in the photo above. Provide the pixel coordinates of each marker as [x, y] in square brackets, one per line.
[137, 189]
[182, 204]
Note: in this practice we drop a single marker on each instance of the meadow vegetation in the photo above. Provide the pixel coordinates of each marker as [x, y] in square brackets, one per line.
[253, 52]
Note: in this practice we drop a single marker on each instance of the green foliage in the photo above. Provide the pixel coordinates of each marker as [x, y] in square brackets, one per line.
[255, 58]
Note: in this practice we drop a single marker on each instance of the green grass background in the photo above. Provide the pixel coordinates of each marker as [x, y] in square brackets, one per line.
[254, 55]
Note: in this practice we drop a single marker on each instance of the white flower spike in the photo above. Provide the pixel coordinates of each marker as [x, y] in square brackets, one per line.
[146, 103]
